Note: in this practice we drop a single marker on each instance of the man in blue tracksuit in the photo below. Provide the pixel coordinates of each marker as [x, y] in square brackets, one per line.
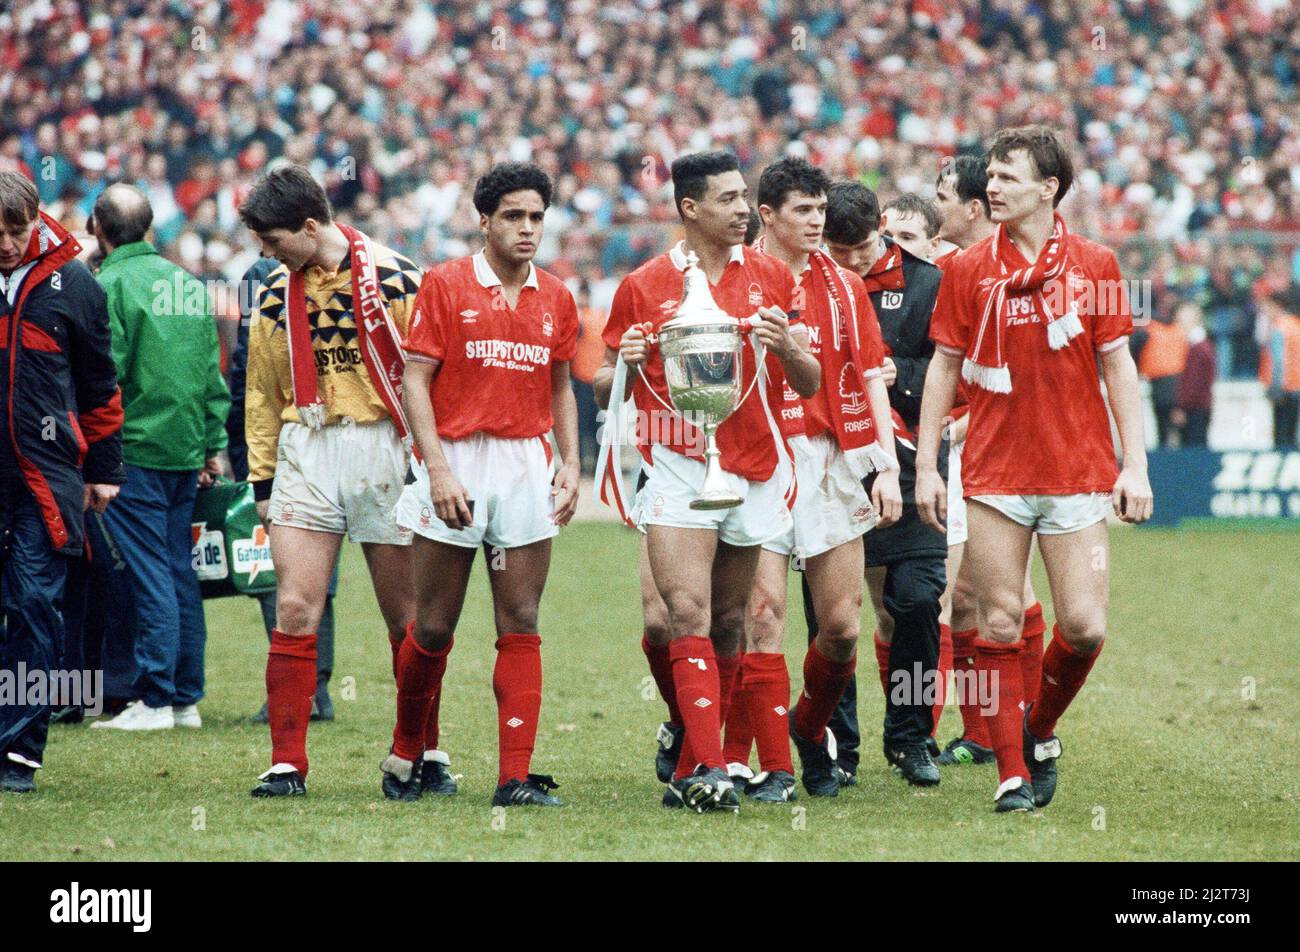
[60, 452]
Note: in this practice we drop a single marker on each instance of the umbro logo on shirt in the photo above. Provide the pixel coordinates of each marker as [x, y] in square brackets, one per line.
[468, 316]
[668, 306]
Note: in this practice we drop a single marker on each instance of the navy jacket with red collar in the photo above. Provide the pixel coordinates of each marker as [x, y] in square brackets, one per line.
[58, 383]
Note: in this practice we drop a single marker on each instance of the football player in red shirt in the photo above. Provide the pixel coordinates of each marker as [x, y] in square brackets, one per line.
[703, 562]
[1024, 317]
[964, 220]
[487, 377]
[835, 437]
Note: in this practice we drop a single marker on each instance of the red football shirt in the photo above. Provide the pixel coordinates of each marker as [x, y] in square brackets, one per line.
[1051, 434]
[495, 373]
[651, 294]
[961, 406]
[817, 412]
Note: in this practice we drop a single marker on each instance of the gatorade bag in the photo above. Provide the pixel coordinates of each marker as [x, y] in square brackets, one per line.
[232, 552]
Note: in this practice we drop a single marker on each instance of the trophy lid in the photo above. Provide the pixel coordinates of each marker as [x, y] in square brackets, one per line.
[698, 306]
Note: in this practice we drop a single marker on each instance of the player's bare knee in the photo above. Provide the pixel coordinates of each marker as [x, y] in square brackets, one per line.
[1002, 623]
[656, 628]
[516, 619]
[838, 635]
[431, 636]
[295, 613]
[1084, 633]
[687, 614]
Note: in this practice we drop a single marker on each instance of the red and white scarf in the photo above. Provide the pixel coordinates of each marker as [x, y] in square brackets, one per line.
[377, 336]
[986, 366]
[844, 376]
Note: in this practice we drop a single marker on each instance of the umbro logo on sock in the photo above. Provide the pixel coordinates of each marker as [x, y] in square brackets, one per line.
[514, 722]
[780, 710]
[703, 702]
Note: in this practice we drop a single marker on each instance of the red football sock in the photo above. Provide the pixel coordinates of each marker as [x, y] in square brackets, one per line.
[963, 665]
[396, 645]
[1031, 658]
[1064, 671]
[419, 677]
[290, 685]
[945, 665]
[696, 676]
[517, 683]
[738, 736]
[999, 667]
[661, 669]
[728, 675]
[767, 683]
[882, 662]
[824, 681]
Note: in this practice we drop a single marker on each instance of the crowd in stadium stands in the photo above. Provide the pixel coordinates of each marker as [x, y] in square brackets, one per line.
[1183, 115]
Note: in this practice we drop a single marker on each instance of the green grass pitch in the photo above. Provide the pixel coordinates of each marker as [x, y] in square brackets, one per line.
[1181, 746]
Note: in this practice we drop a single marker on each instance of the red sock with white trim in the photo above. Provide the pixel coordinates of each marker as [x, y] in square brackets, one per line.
[767, 683]
[517, 683]
[1064, 671]
[738, 736]
[419, 678]
[290, 686]
[963, 666]
[945, 666]
[661, 669]
[824, 681]
[882, 662]
[696, 676]
[998, 666]
[1031, 658]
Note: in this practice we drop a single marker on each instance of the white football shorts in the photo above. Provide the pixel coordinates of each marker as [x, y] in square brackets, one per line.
[956, 502]
[344, 477]
[1052, 515]
[509, 483]
[673, 480]
[831, 507]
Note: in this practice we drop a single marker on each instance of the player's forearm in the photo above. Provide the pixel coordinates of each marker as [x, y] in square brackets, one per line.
[1120, 374]
[939, 393]
[878, 399]
[418, 405]
[564, 411]
[602, 382]
[803, 370]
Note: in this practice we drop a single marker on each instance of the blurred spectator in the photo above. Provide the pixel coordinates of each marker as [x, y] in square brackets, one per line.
[587, 360]
[175, 403]
[1161, 348]
[1191, 413]
[1279, 366]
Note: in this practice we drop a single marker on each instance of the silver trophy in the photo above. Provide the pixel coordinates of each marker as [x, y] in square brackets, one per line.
[702, 349]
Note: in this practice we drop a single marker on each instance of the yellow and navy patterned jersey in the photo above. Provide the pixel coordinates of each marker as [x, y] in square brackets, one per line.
[342, 378]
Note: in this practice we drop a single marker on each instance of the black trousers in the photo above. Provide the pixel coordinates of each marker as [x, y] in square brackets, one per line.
[912, 591]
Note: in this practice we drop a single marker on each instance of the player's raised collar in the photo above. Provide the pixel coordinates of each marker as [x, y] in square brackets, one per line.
[488, 278]
[677, 254]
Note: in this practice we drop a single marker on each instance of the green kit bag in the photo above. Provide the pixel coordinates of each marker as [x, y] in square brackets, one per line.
[232, 553]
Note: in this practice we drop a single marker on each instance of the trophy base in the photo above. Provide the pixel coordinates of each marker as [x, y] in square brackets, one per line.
[716, 500]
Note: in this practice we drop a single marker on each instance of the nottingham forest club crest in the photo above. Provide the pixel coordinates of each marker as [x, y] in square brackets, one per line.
[548, 324]
[755, 295]
[855, 401]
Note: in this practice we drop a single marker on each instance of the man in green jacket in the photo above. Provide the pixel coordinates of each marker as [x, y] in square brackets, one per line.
[175, 403]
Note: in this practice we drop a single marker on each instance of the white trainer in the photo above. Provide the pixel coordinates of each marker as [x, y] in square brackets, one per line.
[138, 716]
[187, 715]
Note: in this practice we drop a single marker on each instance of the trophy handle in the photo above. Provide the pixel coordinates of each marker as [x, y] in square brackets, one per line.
[646, 380]
[760, 369]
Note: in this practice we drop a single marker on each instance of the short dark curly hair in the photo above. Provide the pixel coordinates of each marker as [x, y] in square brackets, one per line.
[509, 177]
[285, 197]
[970, 179]
[691, 173]
[790, 175]
[852, 213]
